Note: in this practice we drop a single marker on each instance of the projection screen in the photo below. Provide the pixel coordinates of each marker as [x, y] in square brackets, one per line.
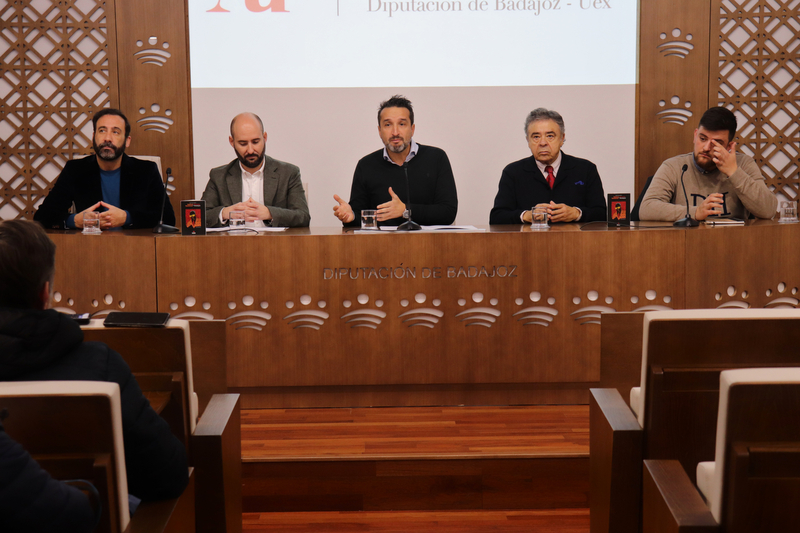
[316, 71]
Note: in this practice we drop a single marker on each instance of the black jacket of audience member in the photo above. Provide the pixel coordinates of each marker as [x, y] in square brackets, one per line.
[141, 193]
[31, 500]
[46, 345]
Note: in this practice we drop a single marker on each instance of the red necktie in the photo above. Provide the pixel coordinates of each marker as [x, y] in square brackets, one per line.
[551, 178]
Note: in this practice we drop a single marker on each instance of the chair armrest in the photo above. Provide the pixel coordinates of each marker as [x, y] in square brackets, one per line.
[167, 516]
[217, 454]
[671, 502]
[615, 464]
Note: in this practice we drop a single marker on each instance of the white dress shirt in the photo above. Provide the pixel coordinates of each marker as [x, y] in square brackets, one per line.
[252, 187]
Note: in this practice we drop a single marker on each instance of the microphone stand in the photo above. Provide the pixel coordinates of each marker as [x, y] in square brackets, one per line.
[408, 225]
[687, 221]
[162, 228]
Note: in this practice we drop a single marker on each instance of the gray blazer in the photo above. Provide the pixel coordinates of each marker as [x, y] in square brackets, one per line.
[283, 193]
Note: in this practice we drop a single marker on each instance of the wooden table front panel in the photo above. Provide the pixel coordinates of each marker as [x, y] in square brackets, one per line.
[114, 271]
[754, 266]
[299, 293]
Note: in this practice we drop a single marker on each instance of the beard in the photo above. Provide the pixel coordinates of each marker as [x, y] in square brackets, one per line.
[251, 163]
[107, 151]
[706, 163]
[399, 149]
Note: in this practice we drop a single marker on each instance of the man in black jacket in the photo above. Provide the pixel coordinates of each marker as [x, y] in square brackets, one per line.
[569, 187]
[31, 500]
[128, 192]
[40, 344]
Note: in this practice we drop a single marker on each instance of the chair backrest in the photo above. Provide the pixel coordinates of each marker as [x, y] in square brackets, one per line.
[716, 339]
[155, 159]
[53, 419]
[760, 405]
[149, 350]
[635, 211]
[683, 353]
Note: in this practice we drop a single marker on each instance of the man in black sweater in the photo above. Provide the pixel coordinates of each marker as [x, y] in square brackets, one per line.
[379, 181]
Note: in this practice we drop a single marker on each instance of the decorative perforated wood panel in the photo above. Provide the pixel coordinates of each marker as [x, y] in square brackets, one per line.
[755, 70]
[56, 57]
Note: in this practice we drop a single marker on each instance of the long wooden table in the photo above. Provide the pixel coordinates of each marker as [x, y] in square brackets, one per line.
[324, 317]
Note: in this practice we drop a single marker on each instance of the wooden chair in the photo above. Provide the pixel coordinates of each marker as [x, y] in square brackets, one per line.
[162, 361]
[670, 414]
[753, 484]
[74, 430]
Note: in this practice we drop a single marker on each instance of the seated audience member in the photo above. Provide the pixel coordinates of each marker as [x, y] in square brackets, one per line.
[128, 192]
[31, 500]
[40, 344]
[379, 181]
[569, 187]
[267, 190]
[718, 180]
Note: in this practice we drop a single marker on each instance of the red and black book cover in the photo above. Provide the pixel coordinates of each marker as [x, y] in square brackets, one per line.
[193, 217]
[619, 209]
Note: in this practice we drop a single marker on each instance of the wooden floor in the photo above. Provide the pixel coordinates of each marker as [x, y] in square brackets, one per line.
[414, 433]
[549, 521]
[422, 469]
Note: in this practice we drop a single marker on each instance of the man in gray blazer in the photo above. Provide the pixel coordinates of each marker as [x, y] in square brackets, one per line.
[267, 190]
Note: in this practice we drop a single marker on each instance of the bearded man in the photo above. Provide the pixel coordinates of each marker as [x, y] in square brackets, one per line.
[128, 192]
[268, 191]
[383, 178]
[719, 180]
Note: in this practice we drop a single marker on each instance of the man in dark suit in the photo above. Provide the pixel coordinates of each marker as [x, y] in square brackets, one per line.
[128, 192]
[570, 188]
[267, 190]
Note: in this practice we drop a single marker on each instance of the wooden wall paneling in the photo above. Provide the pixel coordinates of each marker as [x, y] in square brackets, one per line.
[108, 272]
[538, 325]
[57, 67]
[673, 85]
[449, 352]
[621, 351]
[754, 266]
[414, 395]
[619, 271]
[754, 72]
[153, 59]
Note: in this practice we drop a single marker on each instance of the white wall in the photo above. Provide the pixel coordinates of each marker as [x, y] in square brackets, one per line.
[326, 131]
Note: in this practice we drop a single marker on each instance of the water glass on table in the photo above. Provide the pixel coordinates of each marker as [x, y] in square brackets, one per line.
[91, 223]
[369, 219]
[788, 212]
[237, 222]
[540, 217]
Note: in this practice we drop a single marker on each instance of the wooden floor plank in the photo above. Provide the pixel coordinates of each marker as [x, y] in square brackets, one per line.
[420, 432]
[544, 521]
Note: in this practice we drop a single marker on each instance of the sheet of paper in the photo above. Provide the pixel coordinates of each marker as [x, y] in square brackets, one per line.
[248, 230]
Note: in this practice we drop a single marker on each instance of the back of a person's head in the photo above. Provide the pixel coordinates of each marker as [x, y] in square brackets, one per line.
[27, 262]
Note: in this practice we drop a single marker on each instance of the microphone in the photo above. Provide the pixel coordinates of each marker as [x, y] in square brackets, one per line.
[687, 221]
[161, 227]
[408, 225]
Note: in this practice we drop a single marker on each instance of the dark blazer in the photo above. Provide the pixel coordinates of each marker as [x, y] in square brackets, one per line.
[283, 193]
[141, 192]
[523, 185]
